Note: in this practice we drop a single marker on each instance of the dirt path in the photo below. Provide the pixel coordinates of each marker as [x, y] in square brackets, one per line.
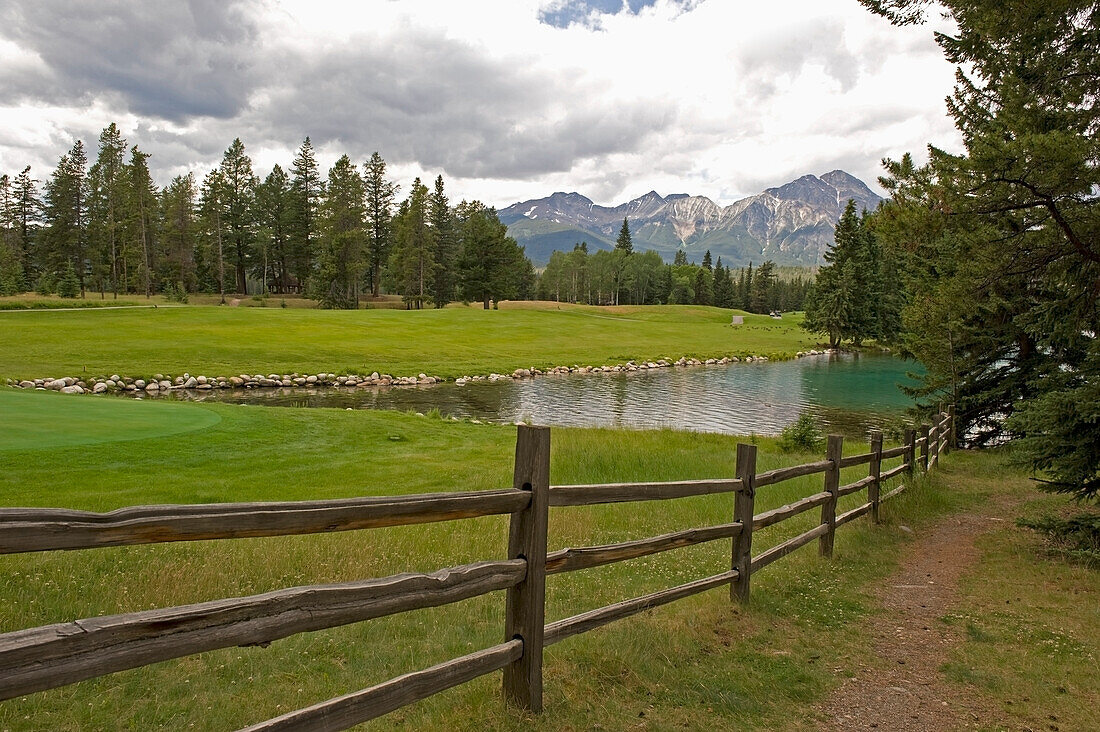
[902, 687]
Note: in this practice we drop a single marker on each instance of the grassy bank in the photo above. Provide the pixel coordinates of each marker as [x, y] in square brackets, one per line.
[695, 660]
[223, 341]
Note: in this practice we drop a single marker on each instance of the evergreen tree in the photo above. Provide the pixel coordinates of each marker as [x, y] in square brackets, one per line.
[28, 210]
[708, 262]
[723, 286]
[11, 250]
[276, 212]
[492, 264]
[680, 259]
[623, 249]
[179, 231]
[210, 261]
[343, 237]
[412, 259]
[140, 219]
[998, 245]
[763, 288]
[238, 209]
[704, 293]
[445, 246]
[106, 201]
[307, 192]
[380, 198]
[65, 215]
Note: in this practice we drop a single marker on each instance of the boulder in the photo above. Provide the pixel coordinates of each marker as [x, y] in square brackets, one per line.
[26, 384]
[73, 389]
[99, 388]
[190, 383]
[55, 384]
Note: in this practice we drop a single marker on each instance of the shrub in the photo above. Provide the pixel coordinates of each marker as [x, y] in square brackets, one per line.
[69, 286]
[1076, 537]
[801, 435]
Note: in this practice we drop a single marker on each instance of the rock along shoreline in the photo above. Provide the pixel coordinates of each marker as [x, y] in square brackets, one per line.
[161, 383]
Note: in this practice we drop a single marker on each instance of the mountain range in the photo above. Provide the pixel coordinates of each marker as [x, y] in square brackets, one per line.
[791, 224]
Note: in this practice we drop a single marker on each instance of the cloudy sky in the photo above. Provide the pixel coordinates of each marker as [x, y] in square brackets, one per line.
[508, 99]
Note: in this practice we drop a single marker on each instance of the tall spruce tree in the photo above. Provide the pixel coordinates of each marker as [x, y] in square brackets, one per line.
[412, 260]
[106, 203]
[275, 210]
[445, 246]
[11, 250]
[210, 265]
[723, 286]
[380, 200]
[141, 219]
[65, 216]
[343, 237]
[28, 206]
[492, 263]
[307, 189]
[239, 209]
[179, 235]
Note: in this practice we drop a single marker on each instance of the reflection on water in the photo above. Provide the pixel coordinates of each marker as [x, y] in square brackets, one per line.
[848, 393]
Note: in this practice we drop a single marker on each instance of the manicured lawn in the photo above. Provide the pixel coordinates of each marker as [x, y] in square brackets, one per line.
[224, 341]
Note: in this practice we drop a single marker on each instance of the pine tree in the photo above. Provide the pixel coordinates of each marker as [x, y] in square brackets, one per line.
[723, 286]
[28, 210]
[380, 198]
[445, 246]
[343, 239]
[275, 209]
[140, 219]
[11, 250]
[704, 292]
[308, 190]
[492, 264]
[624, 247]
[106, 196]
[65, 215]
[708, 262]
[680, 259]
[179, 231]
[210, 266]
[412, 259]
[239, 214]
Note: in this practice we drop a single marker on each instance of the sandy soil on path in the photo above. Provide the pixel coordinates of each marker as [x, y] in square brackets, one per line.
[901, 687]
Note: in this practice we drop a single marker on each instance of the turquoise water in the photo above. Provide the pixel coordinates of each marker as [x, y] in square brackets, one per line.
[848, 393]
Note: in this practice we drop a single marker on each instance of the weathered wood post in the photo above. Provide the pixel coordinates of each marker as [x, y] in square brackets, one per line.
[924, 431]
[911, 453]
[743, 513]
[526, 602]
[833, 452]
[951, 436]
[873, 490]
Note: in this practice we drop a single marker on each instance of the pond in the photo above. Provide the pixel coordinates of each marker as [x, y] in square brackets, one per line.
[848, 393]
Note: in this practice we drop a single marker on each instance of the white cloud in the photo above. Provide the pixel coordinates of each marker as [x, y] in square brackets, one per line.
[712, 98]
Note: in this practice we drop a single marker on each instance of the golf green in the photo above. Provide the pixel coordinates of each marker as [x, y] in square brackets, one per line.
[38, 420]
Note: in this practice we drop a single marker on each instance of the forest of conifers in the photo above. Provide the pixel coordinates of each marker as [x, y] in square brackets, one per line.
[106, 228]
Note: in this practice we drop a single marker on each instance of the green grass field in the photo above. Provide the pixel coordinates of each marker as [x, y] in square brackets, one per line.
[224, 341]
[699, 659]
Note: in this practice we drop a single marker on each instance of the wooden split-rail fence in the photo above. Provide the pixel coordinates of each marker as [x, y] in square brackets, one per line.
[51, 656]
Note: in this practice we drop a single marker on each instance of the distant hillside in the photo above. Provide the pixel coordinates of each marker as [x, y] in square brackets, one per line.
[791, 224]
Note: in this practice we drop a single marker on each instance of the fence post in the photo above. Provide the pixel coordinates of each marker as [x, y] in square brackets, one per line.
[911, 453]
[924, 431]
[950, 428]
[526, 602]
[833, 452]
[743, 513]
[875, 471]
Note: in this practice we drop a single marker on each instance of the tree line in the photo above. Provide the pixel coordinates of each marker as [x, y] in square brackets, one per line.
[623, 276]
[107, 228]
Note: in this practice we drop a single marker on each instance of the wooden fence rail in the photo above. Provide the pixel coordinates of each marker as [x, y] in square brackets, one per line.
[50, 656]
